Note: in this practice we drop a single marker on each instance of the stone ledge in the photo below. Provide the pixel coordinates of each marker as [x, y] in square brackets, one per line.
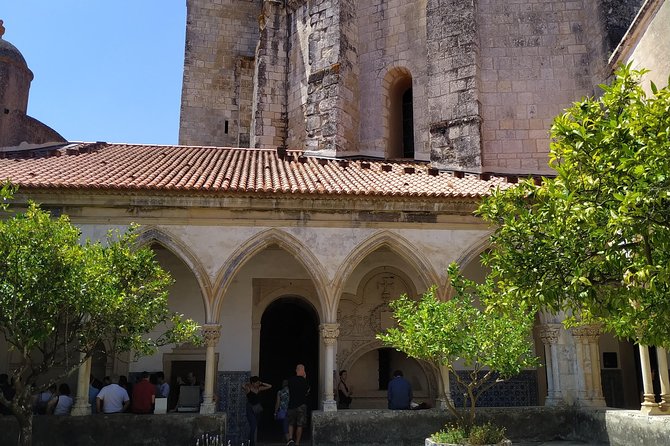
[410, 428]
[113, 430]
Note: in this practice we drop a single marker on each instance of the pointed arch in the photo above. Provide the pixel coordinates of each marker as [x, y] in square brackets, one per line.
[151, 234]
[475, 250]
[347, 360]
[396, 243]
[256, 244]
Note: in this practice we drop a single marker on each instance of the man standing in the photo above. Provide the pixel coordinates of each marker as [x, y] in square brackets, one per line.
[112, 398]
[399, 392]
[144, 395]
[163, 387]
[298, 389]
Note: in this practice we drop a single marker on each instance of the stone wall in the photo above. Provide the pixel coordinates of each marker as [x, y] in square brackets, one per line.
[392, 36]
[536, 424]
[384, 427]
[487, 76]
[221, 39]
[122, 429]
[537, 58]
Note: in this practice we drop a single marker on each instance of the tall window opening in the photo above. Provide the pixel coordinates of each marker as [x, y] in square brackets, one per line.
[401, 116]
[407, 124]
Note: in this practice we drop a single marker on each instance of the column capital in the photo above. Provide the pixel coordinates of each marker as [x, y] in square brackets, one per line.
[329, 333]
[211, 333]
[588, 333]
[549, 333]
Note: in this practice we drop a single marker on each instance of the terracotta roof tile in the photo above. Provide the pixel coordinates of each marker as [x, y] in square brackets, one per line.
[127, 167]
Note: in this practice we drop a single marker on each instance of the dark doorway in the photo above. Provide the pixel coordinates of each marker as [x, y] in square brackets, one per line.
[179, 369]
[289, 336]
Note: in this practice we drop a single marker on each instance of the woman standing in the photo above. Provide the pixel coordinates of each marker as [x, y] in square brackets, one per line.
[343, 392]
[281, 407]
[254, 407]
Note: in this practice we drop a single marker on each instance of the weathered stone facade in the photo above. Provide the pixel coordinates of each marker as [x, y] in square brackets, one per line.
[486, 76]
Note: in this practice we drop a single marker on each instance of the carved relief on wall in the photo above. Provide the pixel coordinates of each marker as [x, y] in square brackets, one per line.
[363, 315]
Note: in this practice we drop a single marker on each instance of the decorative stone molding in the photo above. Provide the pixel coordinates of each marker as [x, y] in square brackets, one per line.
[329, 333]
[211, 333]
[586, 333]
[549, 333]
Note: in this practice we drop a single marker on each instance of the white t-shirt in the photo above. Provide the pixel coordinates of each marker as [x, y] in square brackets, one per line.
[113, 396]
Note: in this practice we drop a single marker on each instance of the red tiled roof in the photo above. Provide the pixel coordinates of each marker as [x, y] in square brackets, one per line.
[127, 167]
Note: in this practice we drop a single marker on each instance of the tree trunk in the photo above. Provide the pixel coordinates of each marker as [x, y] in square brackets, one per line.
[25, 428]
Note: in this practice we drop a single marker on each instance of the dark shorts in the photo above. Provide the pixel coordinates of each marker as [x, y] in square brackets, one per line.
[298, 416]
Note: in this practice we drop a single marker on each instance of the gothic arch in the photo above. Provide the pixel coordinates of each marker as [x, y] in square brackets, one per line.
[152, 234]
[256, 244]
[350, 357]
[465, 258]
[308, 294]
[396, 243]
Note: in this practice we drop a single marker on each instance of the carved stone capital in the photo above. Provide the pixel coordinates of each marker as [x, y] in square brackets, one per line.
[586, 333]
[211, 333]
[329, 333]
[549, 333]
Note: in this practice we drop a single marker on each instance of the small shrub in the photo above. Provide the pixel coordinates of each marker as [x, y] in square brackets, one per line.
[450, 434]
[486, 434]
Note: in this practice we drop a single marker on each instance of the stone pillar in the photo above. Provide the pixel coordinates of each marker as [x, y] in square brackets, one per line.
[329, 333]
[662, 356]
[332, 113]
[590, 392]
[549, 336]
[81, 405]
[211, 333]
[454, 75]
[649, 405]
[268, 113]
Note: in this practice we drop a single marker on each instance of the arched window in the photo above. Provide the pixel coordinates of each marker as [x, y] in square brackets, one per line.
[401, 116]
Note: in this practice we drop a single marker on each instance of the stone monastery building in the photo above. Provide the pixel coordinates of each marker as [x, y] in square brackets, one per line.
[332, 153]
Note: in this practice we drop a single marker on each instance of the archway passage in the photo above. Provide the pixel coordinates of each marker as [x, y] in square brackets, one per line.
[289, 336]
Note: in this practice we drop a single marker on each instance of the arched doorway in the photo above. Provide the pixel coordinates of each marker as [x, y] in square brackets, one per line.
[289, 336]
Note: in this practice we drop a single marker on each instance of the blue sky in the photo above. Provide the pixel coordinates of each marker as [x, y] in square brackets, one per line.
[105, 70]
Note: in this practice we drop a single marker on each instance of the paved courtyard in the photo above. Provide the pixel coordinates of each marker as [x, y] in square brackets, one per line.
[521, 443]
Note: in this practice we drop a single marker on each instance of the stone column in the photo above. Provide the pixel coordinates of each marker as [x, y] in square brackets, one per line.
[649, 405]
[662, 356]
[81, 405]
[454, 72]
[549, 336]
[211, 333]
[588, 358]
[268, 113]
[329, 333]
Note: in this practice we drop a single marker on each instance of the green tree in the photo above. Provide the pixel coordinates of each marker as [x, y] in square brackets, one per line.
[595, 240]
[494, 345]
[59, 298]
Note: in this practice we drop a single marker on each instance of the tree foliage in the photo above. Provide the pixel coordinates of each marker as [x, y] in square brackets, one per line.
[59, 298]
[595, 240]
[492, 344]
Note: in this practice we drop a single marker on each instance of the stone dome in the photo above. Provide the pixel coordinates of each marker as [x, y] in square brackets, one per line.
[9, 53]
